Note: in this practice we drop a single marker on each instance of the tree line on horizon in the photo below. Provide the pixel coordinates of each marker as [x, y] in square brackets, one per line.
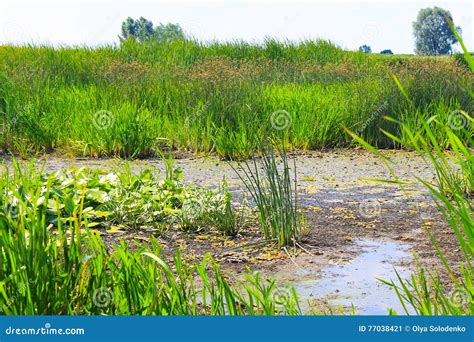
[433, 35]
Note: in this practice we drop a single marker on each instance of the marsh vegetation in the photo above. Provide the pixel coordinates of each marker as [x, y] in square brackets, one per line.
[63, 245]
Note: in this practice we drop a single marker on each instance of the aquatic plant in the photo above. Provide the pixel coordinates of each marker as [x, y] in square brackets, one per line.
[273, 190]
[213, 98]
[53, 260]
[453, 162]
[116, 200]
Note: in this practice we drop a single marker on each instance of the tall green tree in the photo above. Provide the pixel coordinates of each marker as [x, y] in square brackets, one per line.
[169, 32]
[433, 36]
[142, 30]
[129, 29]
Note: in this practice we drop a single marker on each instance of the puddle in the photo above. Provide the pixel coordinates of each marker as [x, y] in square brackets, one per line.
[355, 282]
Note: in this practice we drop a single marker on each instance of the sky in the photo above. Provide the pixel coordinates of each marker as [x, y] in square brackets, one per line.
[381, 24]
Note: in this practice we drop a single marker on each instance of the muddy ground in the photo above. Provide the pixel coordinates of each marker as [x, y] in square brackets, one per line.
[357, 229]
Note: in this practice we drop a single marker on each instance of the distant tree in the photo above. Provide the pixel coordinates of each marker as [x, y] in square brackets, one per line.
[140, 29]
[143, 30]
[386, 52]
[129, 29]
[365, 49]
[433, 36]
[169, 32]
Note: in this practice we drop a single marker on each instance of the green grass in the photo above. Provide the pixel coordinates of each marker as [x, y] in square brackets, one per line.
[424, 292]
[228, 98]
[69, 270]
[273, 189]
[216, 98]
[438, 142]
[453, 191]
[53, 260]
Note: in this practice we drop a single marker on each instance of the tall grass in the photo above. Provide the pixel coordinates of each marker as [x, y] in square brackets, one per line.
[425, 292]
[273, 189]
[212, 97]
[70, 271]
[64, 267]
[447, 147]
[453, 191]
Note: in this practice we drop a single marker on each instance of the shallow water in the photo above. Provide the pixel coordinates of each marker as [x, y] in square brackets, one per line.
[345, 165]
[328, 181]
[356, 283]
